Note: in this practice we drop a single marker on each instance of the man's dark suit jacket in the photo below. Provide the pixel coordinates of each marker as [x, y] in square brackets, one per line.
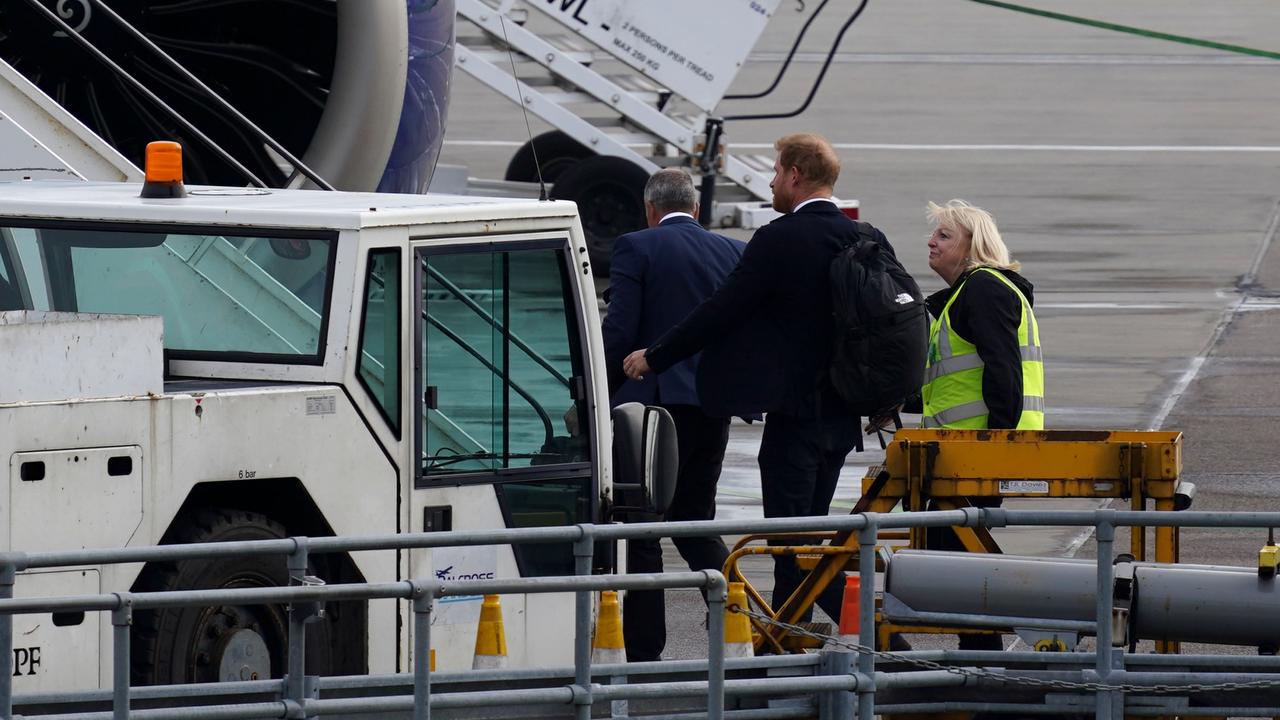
[766, 334]
[657, 277]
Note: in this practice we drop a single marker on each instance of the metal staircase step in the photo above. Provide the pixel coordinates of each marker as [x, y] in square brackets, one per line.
[633, 138]
[689, 120]
[518, 14]
[499, 57]
[635, 83]
[567, 97]
[492, 48]
[568, 42]
[759, 163]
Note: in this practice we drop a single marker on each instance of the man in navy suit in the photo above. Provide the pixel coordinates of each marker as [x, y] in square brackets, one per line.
[657, 276]
[767, 334]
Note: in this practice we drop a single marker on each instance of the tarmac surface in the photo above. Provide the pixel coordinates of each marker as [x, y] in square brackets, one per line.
[1137, 180]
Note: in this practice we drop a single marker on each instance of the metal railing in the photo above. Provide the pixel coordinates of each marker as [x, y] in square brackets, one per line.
[1095, 681]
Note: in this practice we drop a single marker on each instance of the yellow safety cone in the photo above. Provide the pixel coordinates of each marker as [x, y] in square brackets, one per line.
[491, 638]
[737, 627]
[607, 646]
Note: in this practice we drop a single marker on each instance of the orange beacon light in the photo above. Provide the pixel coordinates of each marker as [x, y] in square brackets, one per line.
[163, 168]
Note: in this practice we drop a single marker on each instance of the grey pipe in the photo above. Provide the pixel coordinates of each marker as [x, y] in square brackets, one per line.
[1190, 603]
[1228, 606]
[961, 583]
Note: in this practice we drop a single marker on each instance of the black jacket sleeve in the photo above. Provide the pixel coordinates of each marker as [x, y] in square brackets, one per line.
[987, 314]
[750, 283]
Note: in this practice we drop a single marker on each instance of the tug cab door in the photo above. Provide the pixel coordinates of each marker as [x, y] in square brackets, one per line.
[504, 435]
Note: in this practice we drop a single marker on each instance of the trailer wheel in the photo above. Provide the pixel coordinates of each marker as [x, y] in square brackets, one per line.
[609, 192]
[556, 152]
[226, 642]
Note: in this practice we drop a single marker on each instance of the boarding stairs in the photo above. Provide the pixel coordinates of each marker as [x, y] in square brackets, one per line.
[608, 106]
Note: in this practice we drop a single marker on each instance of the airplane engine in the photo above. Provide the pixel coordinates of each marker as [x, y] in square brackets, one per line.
[359, 89]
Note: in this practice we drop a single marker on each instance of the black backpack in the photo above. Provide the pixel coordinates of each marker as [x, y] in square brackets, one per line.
[881, 327]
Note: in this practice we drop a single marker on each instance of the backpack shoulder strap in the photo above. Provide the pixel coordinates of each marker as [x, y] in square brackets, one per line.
[864, 241]
[864, 231]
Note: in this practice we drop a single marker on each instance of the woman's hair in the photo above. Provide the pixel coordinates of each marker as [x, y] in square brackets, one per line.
[986, 249]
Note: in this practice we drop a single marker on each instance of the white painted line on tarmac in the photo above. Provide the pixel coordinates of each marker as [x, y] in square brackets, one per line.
[958, 147]
[1260, 304]
[1268, 237]
[1116, 306]
[1228, 315]
[1197, 363]
[1039, 148]
[1014, 58]
[484, 143]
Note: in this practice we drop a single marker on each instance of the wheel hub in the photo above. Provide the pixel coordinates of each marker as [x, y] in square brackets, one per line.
[244, 656]
[230, 647]
[609, 211]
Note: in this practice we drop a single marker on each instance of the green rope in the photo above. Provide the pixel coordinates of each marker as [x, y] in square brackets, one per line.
[1132, 30]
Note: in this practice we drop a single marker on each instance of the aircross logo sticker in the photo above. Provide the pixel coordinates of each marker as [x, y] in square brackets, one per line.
[447, 574]
[458, 564]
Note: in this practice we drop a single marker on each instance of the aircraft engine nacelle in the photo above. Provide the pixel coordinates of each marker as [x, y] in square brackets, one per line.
[359, 89]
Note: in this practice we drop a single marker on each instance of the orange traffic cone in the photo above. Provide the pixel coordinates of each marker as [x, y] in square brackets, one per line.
[491, 638]
[851, 610]
[608, 646]
[737, 627]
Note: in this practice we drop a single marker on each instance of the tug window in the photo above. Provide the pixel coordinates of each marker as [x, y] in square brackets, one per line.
[252, 295]
[502, 362]
[379, 364]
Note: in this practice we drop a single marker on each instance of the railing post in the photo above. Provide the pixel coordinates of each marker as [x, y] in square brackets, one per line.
[423, 597]
[8, 571]
[835, 704]
[583, 551]
[717, 591]
[299, 613]
[121, 624]
[1106, 535]
[867, 611]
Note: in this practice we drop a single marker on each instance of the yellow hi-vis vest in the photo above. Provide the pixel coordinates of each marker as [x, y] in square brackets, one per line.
[952, 391]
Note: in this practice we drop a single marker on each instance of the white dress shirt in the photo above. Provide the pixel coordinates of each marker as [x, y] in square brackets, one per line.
[812, 200]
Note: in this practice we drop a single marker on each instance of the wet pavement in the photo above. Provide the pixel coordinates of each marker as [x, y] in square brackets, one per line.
[1137, 180]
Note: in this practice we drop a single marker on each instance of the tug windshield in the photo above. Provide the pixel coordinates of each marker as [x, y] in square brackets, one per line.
[255, 295]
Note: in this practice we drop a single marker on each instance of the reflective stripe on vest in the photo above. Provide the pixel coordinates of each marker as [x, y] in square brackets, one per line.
[952, 389]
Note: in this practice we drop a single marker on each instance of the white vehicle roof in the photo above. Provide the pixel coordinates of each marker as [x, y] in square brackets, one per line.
[58, 199]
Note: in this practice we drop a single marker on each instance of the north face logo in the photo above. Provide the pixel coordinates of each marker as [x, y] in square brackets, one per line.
[904, 299]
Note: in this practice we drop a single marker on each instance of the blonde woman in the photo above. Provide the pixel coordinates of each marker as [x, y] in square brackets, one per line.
[984, 368]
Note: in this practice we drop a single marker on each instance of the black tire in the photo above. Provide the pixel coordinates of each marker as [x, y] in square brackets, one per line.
[609, 192]
[190, 644]
[557, 153]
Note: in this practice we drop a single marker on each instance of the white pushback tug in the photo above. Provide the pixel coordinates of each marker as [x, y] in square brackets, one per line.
[210, 363]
